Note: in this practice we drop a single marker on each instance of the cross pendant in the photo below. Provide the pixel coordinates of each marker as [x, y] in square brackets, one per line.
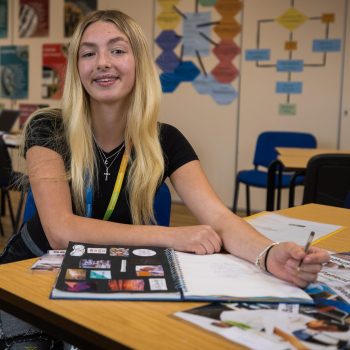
[106, 173]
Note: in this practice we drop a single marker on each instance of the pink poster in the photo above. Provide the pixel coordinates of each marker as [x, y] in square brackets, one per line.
[26, 109]
[33, 18]
[53, 71]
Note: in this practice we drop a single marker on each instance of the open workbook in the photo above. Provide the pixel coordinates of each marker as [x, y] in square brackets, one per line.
[92, 271]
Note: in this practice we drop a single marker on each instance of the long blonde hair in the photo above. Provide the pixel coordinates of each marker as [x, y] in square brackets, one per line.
[141, 132]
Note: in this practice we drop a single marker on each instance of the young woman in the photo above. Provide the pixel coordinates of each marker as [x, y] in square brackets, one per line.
[107, 133]
[107, 129]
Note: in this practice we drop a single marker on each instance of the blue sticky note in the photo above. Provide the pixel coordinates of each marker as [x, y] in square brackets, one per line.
[257, 55]
[290, 65]
[289, 87]
[326, 45]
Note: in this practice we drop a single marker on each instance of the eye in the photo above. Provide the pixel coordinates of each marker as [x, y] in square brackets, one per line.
[87, 54]
[118, 51]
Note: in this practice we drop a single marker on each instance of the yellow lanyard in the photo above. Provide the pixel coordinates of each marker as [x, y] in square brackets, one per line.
[117, 187]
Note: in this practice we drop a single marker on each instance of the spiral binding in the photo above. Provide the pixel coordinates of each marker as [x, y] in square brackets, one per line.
[176, 271]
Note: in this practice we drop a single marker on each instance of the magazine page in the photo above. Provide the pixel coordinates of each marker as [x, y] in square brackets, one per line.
[226, 277]
[91, 271]
[335, 276]
[274, 326]
[50, 261]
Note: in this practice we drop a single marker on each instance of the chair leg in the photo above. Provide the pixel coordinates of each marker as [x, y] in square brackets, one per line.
[19, 211]
[7, 196]
[2, 232]
[279, 188]
[247, 193]
[235, 197]
[292, 187]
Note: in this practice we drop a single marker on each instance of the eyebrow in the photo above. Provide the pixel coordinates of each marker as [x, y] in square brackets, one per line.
[111, 41]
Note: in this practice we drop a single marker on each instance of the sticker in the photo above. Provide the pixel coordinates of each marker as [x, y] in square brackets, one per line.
[75, 274]
[291, 308]
[133, 285]
[157, 284]
[101, 274]
[149, 270]
[119, 251]
[79, 286]
[97, 250]
[78, 250]
[144, 252]
[123, 266]
[94, 264]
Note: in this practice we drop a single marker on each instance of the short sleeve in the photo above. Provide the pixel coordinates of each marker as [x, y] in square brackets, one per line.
[46, 131]
[177, 150]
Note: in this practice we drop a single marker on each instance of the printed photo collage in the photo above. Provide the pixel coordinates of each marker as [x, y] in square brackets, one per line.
[96, 269]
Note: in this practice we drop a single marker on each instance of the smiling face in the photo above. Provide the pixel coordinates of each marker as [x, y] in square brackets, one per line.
[106, 63]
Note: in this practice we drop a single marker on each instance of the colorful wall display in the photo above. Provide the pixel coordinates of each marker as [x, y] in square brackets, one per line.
[74, 10]
[3, 18]
[196, 42]
[14, 72]
[33, 18]
[291, 20]
[53, 70]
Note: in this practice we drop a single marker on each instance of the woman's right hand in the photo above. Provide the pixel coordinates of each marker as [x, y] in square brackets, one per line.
[199, 239]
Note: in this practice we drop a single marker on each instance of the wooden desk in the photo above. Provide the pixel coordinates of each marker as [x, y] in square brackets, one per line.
[291, 159]
[297, 158]
[123, 324]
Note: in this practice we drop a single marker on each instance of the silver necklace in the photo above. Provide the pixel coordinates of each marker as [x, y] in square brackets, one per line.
[108, 160]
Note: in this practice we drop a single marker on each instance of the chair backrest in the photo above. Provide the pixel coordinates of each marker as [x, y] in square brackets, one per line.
[162, 206]
[327, 179]
[5, 164]
[265, 151]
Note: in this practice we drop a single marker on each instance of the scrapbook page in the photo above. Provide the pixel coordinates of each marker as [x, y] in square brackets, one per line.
[91, 271]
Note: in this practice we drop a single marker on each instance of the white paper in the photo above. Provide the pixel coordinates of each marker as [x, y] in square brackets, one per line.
[227, 275]
[283, 228]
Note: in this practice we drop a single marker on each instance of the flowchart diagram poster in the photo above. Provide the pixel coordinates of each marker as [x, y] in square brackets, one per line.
[197, 44]
[292, 40]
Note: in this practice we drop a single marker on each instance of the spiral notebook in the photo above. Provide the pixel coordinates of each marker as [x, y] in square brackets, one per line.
[91, 271]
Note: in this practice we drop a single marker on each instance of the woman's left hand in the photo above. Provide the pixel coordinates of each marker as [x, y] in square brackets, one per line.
[284, 259]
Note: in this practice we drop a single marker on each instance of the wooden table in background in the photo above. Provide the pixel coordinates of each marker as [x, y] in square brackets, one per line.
[129, 324]
[294, 160]
[297, 158]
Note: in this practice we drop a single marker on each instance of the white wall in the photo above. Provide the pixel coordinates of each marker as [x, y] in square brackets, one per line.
[211, 128]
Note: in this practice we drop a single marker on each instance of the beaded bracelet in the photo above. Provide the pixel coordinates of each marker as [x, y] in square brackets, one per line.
[261, 259]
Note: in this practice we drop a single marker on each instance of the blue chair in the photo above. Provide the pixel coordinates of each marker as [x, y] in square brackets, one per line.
[162, 206]
[265, 155]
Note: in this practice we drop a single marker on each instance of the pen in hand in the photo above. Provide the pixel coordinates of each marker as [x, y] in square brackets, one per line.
[307, 246]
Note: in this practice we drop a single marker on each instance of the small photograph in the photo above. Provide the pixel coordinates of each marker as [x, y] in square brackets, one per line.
[124, 252]
[79, 286]
[126, 285]
[157, 284]
[149, 270]
[75, 274]
[144, 252]
[78, 250]
[100, 274]
[97, 250]
[94, 264]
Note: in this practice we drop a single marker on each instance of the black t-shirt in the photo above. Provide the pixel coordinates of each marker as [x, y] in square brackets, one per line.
[48, 131]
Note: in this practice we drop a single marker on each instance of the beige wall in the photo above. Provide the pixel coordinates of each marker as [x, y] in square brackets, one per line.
[211, 128]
